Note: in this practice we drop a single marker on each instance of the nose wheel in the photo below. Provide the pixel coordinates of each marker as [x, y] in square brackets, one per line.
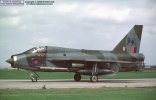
[77, 77]
[33, 77]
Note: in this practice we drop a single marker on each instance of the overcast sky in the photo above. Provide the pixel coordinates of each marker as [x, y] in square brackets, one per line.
[89, 24]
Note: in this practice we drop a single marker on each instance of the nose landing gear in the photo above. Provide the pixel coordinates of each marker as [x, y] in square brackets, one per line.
[34, 77]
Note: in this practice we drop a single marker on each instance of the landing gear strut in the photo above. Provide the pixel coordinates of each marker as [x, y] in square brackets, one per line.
[94, 77]
[77, 77]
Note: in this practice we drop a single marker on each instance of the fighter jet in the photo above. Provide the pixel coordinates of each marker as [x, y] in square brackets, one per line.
[124, 57]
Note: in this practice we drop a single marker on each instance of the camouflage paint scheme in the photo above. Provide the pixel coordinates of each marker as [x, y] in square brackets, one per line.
[124, 57]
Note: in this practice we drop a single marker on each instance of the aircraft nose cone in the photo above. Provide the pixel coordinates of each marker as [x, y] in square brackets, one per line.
[10, 61]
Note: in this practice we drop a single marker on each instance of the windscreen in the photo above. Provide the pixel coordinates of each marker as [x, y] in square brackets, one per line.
[36, 50]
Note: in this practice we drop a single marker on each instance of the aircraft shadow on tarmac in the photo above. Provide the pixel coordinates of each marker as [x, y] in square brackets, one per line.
[82, 81]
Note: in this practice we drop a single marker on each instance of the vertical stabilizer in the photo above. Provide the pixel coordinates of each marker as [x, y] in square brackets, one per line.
[131, 42]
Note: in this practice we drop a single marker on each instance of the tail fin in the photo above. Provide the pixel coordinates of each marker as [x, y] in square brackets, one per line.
[131, 42]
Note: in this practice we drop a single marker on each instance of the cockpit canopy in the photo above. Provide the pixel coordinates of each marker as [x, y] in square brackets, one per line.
[41, 49]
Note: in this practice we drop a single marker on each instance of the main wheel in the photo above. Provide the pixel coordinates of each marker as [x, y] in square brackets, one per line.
[34, 79]
[77, 77]
[94, 78]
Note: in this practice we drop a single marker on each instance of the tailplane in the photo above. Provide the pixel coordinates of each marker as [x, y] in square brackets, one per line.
[131, 42]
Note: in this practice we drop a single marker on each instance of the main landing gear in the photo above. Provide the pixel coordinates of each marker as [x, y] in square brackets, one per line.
[77, 77]
[94, 78]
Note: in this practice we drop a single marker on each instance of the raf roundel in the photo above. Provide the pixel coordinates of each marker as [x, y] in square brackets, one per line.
[35, 61]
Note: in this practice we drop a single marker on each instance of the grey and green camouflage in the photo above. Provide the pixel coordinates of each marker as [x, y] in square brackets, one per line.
[124, 57]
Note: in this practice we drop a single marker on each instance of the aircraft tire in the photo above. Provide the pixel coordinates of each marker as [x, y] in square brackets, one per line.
[94, 78]
[77, 77]
[34, 79]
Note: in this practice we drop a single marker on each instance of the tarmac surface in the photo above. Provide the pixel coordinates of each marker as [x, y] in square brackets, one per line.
[69, 83]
